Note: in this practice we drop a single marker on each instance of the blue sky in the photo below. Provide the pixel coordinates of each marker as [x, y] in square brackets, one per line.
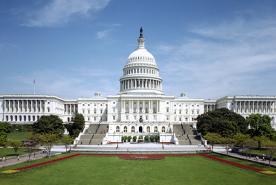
[207, 48]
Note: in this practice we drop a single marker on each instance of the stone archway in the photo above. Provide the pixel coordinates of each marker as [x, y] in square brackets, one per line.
[140, 129]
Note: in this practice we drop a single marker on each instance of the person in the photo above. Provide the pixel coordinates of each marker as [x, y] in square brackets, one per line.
[18, 158]
[263, 157]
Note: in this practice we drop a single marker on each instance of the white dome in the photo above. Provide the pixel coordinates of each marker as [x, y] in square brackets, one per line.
[141, 55]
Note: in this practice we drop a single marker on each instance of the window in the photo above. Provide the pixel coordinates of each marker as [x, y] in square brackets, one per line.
[126, 117]
[95, 118]
[163, 129]
[197, 111]
[114, 117]
[168, 117]
[132, 129]
[148, 129]
[168, 109]
[101, 111]
[7, 118]
[48, 108]
[155, 129]
[117, 129]
[125, 128]
[95, 111]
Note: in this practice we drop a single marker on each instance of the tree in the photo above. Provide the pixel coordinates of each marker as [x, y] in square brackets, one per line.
[5, 127]
[214, 138]
[76, 126]
[49, 124]
[260, 140]
[271, 147]
[260, 125]
[221, 121]
[242, 139]
[15, 144]
[3, 138]
[48, 139]
[67, 140]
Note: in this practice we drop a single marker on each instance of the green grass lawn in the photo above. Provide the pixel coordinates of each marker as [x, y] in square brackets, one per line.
[19, 135]
[113, 170]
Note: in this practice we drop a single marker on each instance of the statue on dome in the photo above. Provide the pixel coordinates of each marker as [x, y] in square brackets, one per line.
[141, 32]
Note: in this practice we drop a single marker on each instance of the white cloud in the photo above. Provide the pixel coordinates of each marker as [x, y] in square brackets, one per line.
[58, 12]
[103, 34]
[231, 58]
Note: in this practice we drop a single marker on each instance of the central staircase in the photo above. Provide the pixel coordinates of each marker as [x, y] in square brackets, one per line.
[94, 134]
[186, 135]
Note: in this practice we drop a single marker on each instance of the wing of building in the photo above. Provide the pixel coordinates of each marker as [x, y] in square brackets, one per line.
[140, 107]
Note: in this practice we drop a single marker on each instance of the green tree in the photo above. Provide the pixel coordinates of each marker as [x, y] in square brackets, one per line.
[271, 147]
[214, 138]
[242, 139]
[260, 125]
[76, 126]
[49, 124]
[15, 144]
[67, 140]
[221, 121]
[3, 138]
[5, 127]
[260, 140]
[47, 140]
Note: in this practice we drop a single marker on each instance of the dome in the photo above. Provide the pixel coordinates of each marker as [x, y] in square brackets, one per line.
[141, 55]
[141, 74]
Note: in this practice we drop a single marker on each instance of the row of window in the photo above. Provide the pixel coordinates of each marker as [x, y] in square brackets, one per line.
[133, 130]
[23, 118]
[139, 70]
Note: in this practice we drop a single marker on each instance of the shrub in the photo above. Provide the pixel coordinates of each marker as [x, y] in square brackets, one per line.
[152, 138]
[129, 138]
[146, 138]
[156, 138]
[134, 138]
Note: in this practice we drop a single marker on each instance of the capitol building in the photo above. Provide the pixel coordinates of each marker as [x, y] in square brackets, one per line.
[140, 108]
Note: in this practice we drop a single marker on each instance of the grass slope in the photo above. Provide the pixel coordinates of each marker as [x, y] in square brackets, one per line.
[115, 171]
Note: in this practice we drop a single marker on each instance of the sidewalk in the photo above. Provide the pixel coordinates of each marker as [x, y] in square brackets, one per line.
[253, 159]
[22, 158]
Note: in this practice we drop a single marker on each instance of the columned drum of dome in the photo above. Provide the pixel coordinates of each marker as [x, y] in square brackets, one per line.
[141, 73]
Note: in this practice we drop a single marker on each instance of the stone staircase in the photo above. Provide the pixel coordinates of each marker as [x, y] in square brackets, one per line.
[186, 135]
[94, 134]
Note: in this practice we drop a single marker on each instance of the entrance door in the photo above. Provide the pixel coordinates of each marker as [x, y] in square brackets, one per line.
[140, 129]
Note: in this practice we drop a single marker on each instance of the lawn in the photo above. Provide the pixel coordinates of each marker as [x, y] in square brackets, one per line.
[92, 170]
[19, 135]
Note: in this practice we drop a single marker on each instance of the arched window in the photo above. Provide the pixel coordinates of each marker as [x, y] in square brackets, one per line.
[25, 118]
[125, 128]
[15, 118]
[163, 129]
[7, 118]
[132, 129]
[117, 129]
[20, 118]
[148, 129]
[68, 119]
[11, 118]
[155, 129]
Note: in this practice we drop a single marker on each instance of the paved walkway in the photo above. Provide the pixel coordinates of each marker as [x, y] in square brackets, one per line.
[266, 162]
[8, 161]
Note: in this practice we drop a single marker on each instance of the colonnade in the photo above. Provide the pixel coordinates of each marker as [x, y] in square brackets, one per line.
[70, 108]
[141, 84]
[140, 106]
[14, 106]
[261, 106]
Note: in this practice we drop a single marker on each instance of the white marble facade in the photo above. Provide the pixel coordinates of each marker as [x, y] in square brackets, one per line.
[140, 106]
